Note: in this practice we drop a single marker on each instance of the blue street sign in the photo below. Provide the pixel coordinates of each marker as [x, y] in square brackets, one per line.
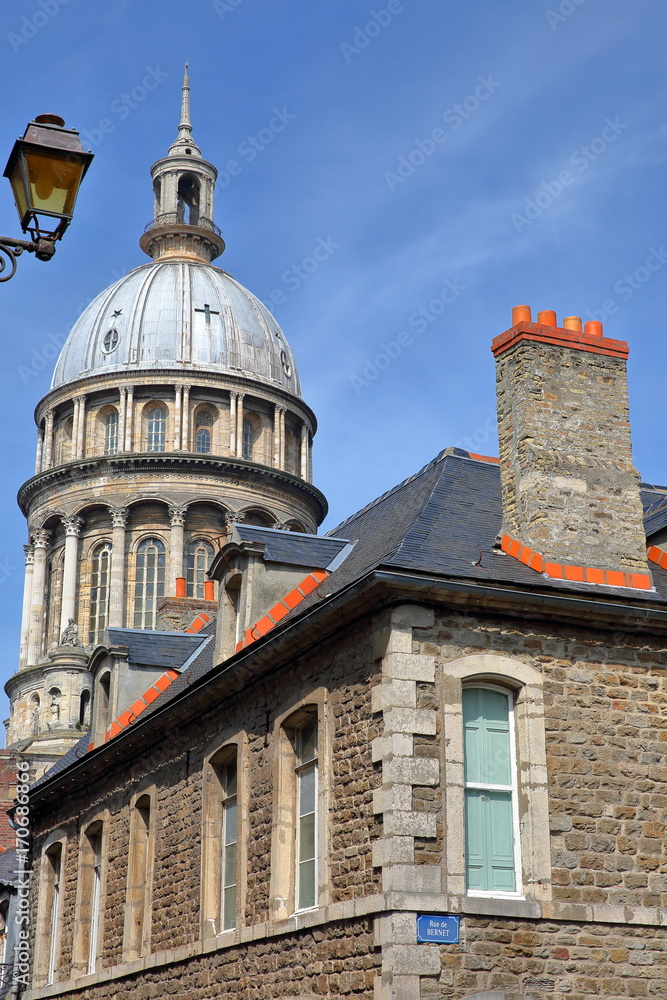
[437, 929]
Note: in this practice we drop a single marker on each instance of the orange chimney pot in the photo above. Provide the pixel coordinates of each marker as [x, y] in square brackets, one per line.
[180, 586]
[547, 317]
[521, 314]
[572, 323]
[593, 328]
[209, 590]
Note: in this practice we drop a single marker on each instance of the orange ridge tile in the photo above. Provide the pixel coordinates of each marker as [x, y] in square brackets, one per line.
[580, 574]
[484, 458]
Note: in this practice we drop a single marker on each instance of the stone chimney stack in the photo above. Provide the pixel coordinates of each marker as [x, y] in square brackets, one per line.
[570, 493]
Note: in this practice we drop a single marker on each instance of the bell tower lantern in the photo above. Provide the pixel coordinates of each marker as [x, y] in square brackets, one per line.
[183, 184]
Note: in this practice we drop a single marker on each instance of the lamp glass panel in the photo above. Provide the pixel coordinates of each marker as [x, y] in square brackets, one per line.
[53, 181]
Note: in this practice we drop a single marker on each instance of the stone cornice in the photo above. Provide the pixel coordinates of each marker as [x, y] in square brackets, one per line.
[145, 462]
[268, 392]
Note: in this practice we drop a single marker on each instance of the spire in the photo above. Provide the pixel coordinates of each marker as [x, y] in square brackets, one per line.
[184, 142]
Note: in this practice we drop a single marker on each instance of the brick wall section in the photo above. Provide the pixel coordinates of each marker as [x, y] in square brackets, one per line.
[348, 672]
[569, 488]
[606, 732]
[557, 960]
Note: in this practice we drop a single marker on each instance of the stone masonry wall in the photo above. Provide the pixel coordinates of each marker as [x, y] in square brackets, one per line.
[347, 670]
[569, 488]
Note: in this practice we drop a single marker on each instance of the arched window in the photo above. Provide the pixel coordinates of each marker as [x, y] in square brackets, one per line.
[111, 433]
[292, 452]
[249, 438]
[200, 554]
[137, 931]
[203, 441]
[99, 592]
[157, 429]
[489, 775]
[149, 586]
[84, 708]
[187, 209]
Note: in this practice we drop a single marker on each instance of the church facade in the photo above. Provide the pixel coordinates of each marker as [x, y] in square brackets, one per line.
[420, 757]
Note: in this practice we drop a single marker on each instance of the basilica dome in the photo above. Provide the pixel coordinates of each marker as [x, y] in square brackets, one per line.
[177, 314]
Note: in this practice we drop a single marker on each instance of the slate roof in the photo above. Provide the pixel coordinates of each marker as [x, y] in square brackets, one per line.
[73, 754]
[200, 664]
[8, 867]
[294, 547]
[149, 648]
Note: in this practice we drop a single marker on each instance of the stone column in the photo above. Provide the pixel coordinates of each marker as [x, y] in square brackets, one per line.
[233, 396]
[122, 413]
[178, 402]
[276, 436]
[40, 449]
[177, 521]
[304, 452]
[72, 526]
[282, 437]
[239, 424]
[48, 440]
[81, 428]
[27, 595]
[185, 437]
[37, 597]
[129, 417]
[117, 589]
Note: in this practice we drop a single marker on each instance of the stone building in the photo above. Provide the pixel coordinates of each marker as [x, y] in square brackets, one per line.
[419, 757]
[174, 410]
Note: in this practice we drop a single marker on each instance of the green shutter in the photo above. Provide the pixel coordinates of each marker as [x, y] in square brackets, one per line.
[489, 821]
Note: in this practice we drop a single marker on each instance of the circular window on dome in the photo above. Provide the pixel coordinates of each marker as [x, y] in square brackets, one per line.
[110, 342]
[287, 368]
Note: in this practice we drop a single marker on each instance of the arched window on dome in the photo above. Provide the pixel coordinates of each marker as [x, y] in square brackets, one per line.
[200, 554]
[250, 435]
[187, 206]
[111, 432]
[149, 585]
[203, 430]
[203, 441]
[292, 452]
[64, 441]
[157, 429]
[99, 592]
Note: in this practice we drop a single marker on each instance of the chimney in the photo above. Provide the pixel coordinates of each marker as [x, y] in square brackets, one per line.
[570, 493]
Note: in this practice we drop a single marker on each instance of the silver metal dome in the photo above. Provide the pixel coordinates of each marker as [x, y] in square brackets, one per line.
[177, 314]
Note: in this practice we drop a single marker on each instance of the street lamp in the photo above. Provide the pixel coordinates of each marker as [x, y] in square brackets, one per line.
[45, 168]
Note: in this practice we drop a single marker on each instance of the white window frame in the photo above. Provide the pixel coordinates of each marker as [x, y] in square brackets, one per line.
[226, 803]
[302, 768]
[55, 914]
[512, 788]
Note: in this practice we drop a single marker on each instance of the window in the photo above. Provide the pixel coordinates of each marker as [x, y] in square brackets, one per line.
[47, 959]
[89, 900]
[495, 781]
[149, 585]
[110, 341]
[139, 881]
[157, 429]
[54, 859]
[200, 554]
[229, 842]
[187, 206]
[491, 817]
[223, 851]
[203, 441]
[99, 592]
[84, 709]
[298, 863]
[249, 437]
[306, 840]
[111, 433]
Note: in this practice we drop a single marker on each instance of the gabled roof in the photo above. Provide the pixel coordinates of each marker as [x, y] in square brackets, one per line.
[149, 648]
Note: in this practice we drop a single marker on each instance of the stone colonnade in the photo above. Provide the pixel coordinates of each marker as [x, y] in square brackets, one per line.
[128, 432]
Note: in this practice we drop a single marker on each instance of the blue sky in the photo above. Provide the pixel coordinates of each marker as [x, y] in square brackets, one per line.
[456, 158]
